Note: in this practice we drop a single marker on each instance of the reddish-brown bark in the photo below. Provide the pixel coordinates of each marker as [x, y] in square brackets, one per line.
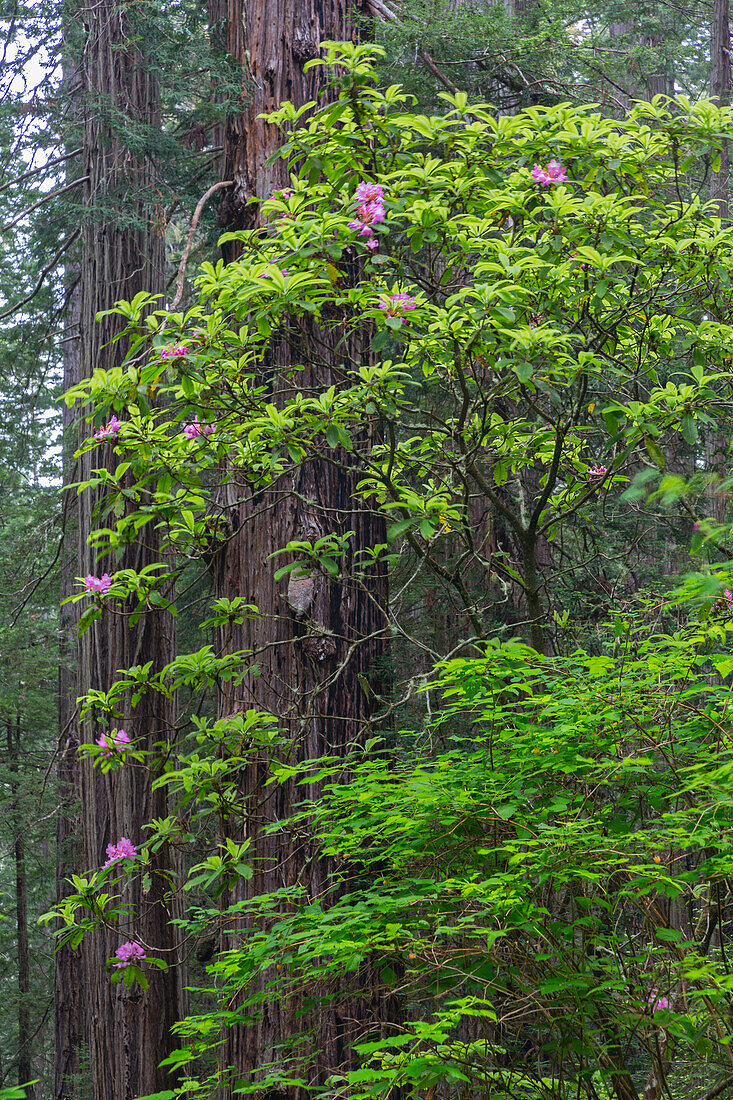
[320, 642]
[124, 1032]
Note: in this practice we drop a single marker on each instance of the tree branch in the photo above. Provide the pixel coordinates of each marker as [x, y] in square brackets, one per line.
[41, 168]
[189, 243]
[49, 267]
[46, 198]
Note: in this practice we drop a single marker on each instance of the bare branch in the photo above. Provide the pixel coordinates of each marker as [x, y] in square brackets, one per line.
[189, 243]
[49, 267]
[46, 198]
[380, 9]
[41, 168]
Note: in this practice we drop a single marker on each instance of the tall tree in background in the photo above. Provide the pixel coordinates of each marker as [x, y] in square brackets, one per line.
[122, 253]
[319, 642]
[716, 444]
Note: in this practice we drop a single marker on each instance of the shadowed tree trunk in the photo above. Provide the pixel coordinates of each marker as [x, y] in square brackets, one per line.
[68, 973]
[320, 642]
[126, 1031]
[717, 444]
[21, 912]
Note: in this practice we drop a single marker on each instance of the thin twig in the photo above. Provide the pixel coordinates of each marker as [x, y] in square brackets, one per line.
[189, 243]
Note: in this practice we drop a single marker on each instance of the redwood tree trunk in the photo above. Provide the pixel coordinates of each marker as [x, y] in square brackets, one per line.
[21, 913]
[716, 444]
[126, 1032]
[320, 643]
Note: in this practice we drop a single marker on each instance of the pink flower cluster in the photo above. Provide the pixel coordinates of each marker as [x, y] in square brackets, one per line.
[597, 471]
[98, 585]
[194, 429]
[660, 1002]
[397, 305]
[174, 352]
[129, 954]
[110, 430]
[370, 197]
[123, 849]
[115, 742]
[553, 173]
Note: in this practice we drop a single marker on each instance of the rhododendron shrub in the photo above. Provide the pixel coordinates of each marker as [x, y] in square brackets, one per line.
[514, 344]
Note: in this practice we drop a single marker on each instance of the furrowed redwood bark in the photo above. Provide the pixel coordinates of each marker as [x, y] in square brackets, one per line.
[320, 642]
[125, 1032]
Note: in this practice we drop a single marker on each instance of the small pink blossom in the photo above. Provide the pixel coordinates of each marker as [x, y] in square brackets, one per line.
[173, 352]
[109, 431]
[129, 954]
[659, 1003]
[553, 173]
[597, 471]
[368, 212]
[98, 585]
[195, 429]
[115, 742]
[696, 526]
[123, 849]
[728, 597]
[369, 192]
[373, 243]
[397, 305]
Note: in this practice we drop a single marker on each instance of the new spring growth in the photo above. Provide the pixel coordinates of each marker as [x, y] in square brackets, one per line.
[397, 305]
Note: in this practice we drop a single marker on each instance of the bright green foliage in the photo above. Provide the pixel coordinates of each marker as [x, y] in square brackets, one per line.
[553, 327]
[539, 890]
[531, 892]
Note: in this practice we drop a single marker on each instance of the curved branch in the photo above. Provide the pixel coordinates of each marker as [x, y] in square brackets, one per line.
[189, 243]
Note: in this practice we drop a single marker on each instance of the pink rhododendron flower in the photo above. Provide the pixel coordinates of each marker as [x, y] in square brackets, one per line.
[115, 742]
[373, 243]
[194, 429]
[129, 954]
[660, 1002]
[369, 192]
[728, 597]
[99, 585]
[123, 849]
[553, 173]
[397, 305]
[174, 352]
[109, 431]
[597, 471]
[370, 209]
